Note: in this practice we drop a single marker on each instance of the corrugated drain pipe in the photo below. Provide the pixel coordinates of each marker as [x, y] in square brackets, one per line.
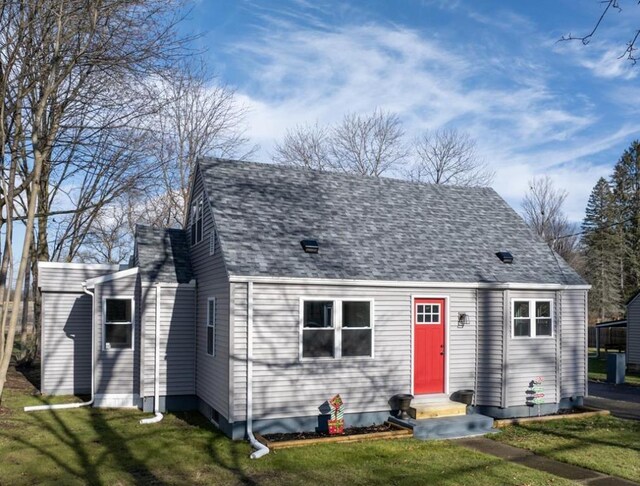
[157, 417]
[260, 449]
[62, 406]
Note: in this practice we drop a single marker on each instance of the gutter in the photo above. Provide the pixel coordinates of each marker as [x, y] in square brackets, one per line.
[405, 283]
[157, 417]
[63, 406]
[260, 449]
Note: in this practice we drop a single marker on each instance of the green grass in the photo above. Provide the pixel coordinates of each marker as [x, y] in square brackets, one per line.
[109, 447]
[598, 371]
[602, 443]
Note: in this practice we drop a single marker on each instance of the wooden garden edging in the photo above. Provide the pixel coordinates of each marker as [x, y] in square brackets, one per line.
[401, 432]
[588, 412]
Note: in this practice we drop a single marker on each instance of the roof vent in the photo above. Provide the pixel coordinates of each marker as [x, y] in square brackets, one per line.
[310, 246]
[505, 256]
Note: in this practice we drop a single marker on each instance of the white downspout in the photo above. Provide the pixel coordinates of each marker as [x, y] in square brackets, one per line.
[62, 406]
[260, 449]
[157, 417]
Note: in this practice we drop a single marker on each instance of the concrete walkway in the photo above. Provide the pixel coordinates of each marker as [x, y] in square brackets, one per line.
[622, 400]
[527, 458]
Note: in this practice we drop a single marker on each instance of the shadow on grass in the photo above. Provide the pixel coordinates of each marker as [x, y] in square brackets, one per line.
[576, 432]
[236, 450]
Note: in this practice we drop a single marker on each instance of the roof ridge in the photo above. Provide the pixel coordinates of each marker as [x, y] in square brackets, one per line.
[351, 175]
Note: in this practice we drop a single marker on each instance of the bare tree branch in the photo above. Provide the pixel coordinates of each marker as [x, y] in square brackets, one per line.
[543, 212]
[447, 156]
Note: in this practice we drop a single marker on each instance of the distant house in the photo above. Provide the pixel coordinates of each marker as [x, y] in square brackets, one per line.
[297, 285]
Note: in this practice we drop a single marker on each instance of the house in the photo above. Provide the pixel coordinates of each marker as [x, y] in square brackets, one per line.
[633, 333]
[289, 286]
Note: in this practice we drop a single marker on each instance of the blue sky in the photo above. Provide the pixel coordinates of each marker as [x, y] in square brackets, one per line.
[492, 68]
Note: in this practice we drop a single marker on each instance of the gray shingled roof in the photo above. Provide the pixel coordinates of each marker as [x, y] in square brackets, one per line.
[163, 255]
[369, 228]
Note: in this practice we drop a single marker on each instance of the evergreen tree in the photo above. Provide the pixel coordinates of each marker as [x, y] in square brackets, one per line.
[626, 191]
[602, 249]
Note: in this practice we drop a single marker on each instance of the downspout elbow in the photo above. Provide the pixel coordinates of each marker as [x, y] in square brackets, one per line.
[157, 417]
[260, 449]
[64, 406]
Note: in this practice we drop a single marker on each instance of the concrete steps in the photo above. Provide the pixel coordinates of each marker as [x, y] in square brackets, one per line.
[452, 427]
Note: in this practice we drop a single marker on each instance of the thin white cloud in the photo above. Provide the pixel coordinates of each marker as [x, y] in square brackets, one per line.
[604, 58]
[524, 126]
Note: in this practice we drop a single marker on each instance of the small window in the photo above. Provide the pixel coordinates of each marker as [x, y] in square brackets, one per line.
[356, 329]
[532, 318]
[318, 336]
[211, 326]
[428, 313]
[118, 325]
[336, 329]
[197, 218]
[212, 242]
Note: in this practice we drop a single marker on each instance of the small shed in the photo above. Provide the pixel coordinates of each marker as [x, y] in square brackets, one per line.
[608, 335]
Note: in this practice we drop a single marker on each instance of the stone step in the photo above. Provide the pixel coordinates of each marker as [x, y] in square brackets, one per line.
[433, 410]
[449, 427]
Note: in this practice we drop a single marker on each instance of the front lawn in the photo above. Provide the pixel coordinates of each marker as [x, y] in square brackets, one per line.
[598, 371]
[603, 443]
[98, 446]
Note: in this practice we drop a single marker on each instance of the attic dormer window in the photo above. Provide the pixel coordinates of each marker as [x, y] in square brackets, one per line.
[197, 217]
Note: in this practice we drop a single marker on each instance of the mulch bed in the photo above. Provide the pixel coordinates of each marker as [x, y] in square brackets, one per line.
[316, 435]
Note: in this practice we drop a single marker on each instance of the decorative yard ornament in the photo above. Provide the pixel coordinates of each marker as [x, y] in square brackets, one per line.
[336, 423]
[535, 393]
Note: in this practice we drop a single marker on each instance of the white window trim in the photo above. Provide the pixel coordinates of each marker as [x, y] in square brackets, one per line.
[337, 328]
[197, 210]
[532, 318]
[440, 311]
[207, 326]
[212, 242]
[104, 322]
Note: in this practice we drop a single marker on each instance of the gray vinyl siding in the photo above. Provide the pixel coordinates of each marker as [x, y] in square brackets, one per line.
[212, 372]
[633, 333]
[177, 340]
[491, 306]
[66, 327]
[117, 370]
[285, 386]
[66, 344]
[573, 337]
[530, 358]
[69, 278]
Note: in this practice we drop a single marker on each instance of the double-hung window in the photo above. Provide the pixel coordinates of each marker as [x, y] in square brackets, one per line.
[211, 326]
[118, 323]
[336, 328]
[197, 219]
[532, 318]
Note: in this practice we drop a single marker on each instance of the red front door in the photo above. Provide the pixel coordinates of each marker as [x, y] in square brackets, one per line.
[428, 350]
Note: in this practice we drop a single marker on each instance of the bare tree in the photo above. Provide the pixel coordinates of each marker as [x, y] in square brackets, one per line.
[369, 144]
[57, 59]
[110, 237]
[305, 146]
[610, 6]
[447, 156]
[543, 212]
[198, 117]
